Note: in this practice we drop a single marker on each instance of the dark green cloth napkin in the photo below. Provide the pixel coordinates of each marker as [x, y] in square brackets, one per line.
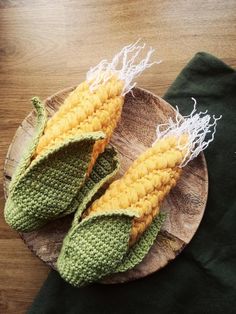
[202, 279]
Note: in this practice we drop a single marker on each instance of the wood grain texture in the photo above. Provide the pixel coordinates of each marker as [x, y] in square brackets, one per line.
[135, 133]
[46, 46]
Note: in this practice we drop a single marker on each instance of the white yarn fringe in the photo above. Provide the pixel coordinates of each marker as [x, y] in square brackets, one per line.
[124, 66]
[196, 126]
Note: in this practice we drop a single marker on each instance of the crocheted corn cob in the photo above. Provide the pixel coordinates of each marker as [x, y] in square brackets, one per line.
[96, 104]
[86, 111]
[117, 230]
[49, 186]
[144, 185]
[66, 147]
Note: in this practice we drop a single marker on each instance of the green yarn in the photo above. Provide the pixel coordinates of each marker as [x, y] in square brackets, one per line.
[50, 183]
[20, 220]
[49, 186]
[104, 169]
[94, 248]
[99, 246]
[26, 158]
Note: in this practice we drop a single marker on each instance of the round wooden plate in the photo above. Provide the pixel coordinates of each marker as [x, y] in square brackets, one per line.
[184, 206]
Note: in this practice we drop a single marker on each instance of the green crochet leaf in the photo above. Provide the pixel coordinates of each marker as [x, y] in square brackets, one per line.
[94, 248]
[49, 184]
[20, 220]
[105, 167]
[26, 158]
[98, 246]
[15, 218]
[140, 249]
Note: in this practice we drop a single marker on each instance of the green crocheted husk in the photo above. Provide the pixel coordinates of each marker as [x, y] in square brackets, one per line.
[98, 246]
[27, 155]
[46, 188]
[49, 184]
[20, 220]
[141, 248]
[105, 167]
[94, 248]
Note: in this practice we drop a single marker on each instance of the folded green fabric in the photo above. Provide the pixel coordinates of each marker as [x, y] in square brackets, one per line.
[202, 279]
[49, 186]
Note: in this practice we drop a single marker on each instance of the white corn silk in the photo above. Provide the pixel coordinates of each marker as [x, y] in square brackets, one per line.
[200, 129]
[124, 66]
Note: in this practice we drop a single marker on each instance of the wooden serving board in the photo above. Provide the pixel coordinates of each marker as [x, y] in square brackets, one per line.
[136, 132]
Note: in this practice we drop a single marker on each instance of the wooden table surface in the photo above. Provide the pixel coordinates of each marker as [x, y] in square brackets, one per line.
[49, 45]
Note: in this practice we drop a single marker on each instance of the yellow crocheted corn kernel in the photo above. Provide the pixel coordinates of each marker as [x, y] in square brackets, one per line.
[144, 185]
[85, 111]
[72, 99]
[108, 124]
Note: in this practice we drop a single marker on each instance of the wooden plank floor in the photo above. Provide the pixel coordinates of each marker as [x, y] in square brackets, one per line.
[48, 45]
